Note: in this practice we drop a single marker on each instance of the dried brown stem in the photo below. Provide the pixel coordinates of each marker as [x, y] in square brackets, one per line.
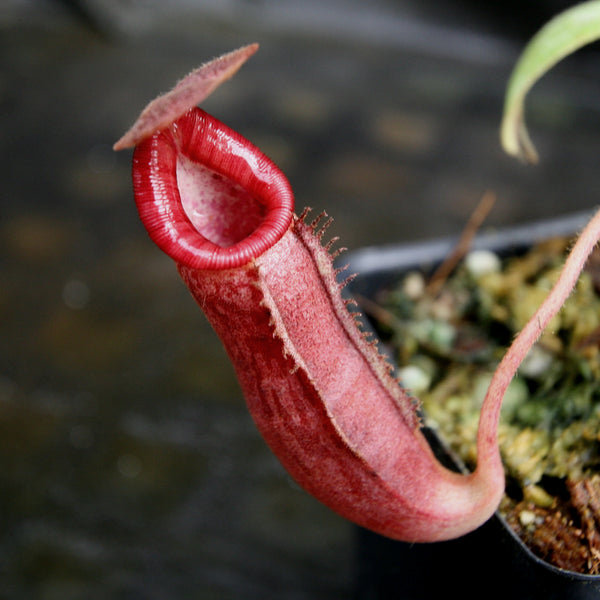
[479, 215]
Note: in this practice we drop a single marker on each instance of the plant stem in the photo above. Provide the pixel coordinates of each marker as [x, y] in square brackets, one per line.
[490, 412]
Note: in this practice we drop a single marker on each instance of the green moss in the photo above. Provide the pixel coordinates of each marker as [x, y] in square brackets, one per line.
[551, 412]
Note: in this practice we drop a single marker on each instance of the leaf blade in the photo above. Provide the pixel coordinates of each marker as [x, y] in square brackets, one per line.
[561, 36]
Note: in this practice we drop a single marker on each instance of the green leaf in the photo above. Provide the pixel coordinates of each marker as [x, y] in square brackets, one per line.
[563, 35]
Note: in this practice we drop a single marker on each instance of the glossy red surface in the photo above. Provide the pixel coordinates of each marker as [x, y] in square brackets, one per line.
[188, 182]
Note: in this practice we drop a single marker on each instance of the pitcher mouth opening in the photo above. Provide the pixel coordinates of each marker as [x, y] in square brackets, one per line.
[207, 196]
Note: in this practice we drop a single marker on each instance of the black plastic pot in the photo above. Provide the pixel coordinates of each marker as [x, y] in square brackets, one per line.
[492, 561]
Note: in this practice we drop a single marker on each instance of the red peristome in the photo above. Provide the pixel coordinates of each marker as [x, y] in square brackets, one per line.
[320, 393]
[172, 167]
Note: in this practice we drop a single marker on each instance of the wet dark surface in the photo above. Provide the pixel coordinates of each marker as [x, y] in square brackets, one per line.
[130, 467]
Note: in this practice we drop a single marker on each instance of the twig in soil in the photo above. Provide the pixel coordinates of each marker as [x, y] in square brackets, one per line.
[442, 273]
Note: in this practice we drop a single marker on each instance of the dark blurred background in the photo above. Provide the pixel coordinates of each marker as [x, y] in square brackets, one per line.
[129, 467]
